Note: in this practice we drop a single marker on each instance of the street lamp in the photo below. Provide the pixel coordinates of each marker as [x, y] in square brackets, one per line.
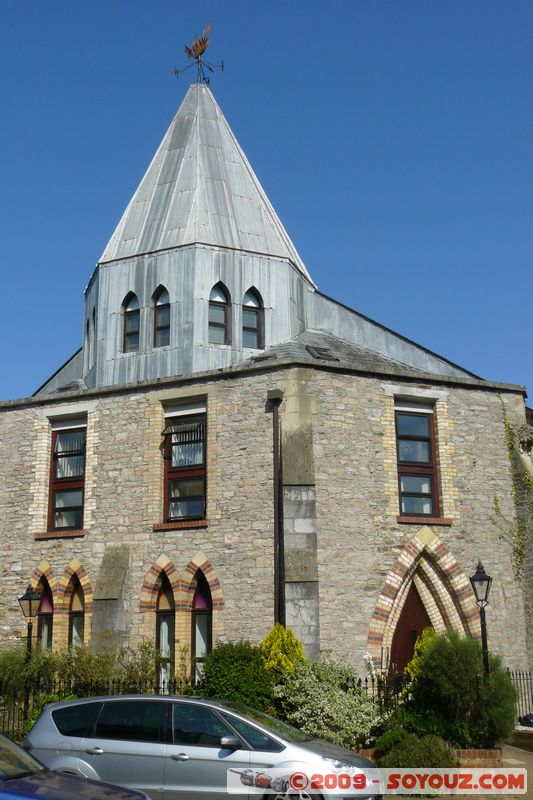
[481, 583]
[29, 603]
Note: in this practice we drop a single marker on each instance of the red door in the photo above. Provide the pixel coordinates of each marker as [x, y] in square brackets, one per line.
[413, 619]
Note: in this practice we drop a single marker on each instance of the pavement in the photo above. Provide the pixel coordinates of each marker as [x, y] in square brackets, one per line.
[514, 757]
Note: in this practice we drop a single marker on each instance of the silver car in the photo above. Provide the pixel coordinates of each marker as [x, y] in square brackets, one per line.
[176, 748]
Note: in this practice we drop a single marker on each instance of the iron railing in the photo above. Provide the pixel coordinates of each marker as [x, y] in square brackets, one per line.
[19, 708]
[523, 682]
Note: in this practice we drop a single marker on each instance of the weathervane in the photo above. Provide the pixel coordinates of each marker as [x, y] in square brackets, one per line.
[198, 47]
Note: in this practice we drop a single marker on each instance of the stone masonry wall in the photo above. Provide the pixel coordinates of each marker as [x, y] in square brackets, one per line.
[348, 422]
[359, 535]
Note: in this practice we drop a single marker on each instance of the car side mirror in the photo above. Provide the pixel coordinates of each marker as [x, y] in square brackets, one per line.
[230, 742]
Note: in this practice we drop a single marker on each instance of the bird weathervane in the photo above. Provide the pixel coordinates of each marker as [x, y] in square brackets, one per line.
[195, 51]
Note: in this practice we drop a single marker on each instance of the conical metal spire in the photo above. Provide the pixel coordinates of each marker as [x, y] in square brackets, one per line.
[200, 188]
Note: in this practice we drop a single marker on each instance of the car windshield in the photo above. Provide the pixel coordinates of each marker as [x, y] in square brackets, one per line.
[275, 726]
[15, 762]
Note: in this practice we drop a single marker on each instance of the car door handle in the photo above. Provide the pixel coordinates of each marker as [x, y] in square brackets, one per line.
[94, 751]
[180, 757]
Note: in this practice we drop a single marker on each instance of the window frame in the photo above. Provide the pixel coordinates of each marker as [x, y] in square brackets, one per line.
[427, 470]
[259, 329]
[158, 308]
[45, 619]
[187, 472]
[67, 484]
[226, 306]
[78, 613]
[130, 314]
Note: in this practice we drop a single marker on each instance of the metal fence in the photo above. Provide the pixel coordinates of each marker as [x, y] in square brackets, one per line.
[20, 708]
[385, 690]
[523, 682]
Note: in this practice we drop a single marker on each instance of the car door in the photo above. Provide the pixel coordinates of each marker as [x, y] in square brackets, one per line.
[266, 753]
[128, 744]
[196, 766]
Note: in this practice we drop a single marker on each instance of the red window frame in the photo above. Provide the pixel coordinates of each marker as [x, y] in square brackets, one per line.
[65, 484]
[417, 468]
[184, 472]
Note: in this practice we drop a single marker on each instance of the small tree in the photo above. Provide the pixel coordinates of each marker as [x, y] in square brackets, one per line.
[236, 671]
[281, 650]
[449, 694]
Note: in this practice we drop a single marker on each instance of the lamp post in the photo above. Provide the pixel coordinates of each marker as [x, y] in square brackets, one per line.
[481, 583]
[29, 603]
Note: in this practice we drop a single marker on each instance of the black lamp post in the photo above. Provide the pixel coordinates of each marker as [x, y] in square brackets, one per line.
[29, 603]
[481, 583]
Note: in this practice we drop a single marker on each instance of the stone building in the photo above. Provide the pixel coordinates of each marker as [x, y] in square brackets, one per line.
[230, 446]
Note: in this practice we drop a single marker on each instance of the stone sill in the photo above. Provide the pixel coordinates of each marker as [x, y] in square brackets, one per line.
[68, 534]
[447, 521]
[183, 523]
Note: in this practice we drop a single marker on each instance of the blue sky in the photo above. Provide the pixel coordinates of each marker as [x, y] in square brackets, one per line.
[393, 137]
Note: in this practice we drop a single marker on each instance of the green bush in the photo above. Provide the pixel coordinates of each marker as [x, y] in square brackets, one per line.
[236, 671]
[448, 694]
[412, 752]
[390, 738]
[323, 699]
[281, 650]
[81, 671]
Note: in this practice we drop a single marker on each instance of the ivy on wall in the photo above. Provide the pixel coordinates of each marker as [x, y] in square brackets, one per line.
[519, 440]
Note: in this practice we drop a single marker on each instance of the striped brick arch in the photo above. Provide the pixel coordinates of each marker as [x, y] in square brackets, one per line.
[183, 585]
[44, 570]
[75, 567]
[150, 588]
[443, 588]
[200, 562]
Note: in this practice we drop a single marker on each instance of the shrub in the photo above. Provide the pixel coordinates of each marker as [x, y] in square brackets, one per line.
[323, 699]
[448, 693]
[412, 752]
[81, 671]
[281, 650]
[236, 671]
[390, 738]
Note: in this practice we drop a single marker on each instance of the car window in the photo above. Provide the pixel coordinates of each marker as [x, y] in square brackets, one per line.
[256, 739]
[133, 720]
[276, 726]
[15, 762]
[76, 720]
[197, 725]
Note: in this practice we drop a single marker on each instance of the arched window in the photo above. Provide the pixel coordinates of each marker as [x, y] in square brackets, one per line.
[132, 319]
[87, 349]
[202, 625]
[76, 615]
[93, 340]
[45, 615]
[252, 320]
[219, 315]
[161, 302]
[165, 632]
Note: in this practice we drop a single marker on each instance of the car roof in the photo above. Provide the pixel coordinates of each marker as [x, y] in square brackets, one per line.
[165, 698]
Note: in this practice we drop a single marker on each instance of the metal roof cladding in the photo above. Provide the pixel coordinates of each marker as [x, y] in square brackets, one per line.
[200, 188]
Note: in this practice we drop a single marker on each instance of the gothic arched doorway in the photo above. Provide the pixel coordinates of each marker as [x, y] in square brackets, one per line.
[413, 619]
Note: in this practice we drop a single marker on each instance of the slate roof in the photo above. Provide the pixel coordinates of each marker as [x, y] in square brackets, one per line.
[310, 346]
[200, 188]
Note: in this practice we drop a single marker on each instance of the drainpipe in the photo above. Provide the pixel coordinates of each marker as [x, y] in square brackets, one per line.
[274, 400]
